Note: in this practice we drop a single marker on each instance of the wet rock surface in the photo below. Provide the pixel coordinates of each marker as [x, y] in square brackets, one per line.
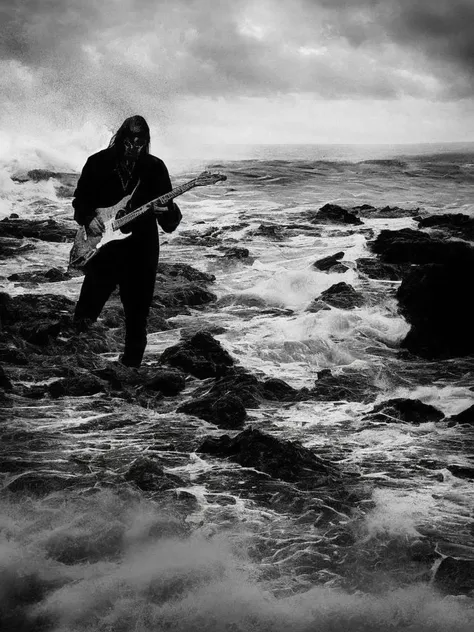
[411, 411]
[436, 303]
[45, 230]
[341, 295]
[334, 214]
[201, 356]
[285, 460]
[331, 263]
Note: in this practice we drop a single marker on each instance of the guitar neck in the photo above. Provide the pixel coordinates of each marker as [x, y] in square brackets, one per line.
[160, 201]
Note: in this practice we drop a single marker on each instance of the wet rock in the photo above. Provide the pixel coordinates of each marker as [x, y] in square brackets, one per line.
[36, 318]
[414, 246]
[348, 386]
[183, 271]
[45, 230]
[285, 460]
[12, 350]
[37, 175]
[331, 263]
[40, 483]
[280, 391]
[436, 301]
[270, 231]
[235, 252]
[31, 307]
[201, 356]
[466, 416]
[385, 212]
[456, 224]
[167, 381]
[376, 269]
[40, 332]
[53, 275]
[149, 476]
[411, 411]
[78, 385]
[461, 471]
[341, 295]
[334, 214]
[5, 383]
[10, 247]
[226, 412]
[454, 576]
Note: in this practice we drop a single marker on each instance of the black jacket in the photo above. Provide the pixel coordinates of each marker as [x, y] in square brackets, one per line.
[100, 186]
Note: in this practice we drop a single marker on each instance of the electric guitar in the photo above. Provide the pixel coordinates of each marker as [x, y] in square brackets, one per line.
[115, 217]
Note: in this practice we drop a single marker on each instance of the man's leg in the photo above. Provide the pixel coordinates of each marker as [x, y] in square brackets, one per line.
[136, 292]
[99, 283]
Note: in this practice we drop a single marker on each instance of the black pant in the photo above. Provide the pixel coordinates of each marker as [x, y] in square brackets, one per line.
[133, 270]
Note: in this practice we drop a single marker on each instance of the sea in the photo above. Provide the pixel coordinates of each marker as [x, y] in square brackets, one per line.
[244, 566]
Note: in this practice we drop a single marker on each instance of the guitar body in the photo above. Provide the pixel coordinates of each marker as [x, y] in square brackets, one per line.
[86, 246]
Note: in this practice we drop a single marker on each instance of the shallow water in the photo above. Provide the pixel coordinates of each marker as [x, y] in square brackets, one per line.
[107, 558]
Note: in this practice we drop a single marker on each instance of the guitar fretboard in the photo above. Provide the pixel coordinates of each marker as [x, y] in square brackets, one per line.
[160, 201]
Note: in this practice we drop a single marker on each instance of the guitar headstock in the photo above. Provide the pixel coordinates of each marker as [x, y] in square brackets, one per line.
[206, 177]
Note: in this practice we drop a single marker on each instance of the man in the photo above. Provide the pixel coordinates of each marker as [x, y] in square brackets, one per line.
[107, 177]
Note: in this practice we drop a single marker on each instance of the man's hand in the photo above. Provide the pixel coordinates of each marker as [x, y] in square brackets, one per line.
[96, 227]
[169, 218]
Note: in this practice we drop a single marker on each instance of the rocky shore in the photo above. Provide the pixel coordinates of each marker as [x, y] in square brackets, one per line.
[44, 362]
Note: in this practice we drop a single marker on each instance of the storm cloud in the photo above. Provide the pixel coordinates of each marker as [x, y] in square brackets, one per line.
[68, 61]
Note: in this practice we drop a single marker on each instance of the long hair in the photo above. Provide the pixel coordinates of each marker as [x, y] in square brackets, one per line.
[137, 122]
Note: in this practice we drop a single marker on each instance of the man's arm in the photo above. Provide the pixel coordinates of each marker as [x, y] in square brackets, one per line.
[169, 219]
[84, 207]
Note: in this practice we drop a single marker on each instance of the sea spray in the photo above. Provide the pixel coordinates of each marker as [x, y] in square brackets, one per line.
[138, 572]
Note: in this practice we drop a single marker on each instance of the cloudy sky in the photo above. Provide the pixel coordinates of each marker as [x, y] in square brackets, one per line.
[241, 71]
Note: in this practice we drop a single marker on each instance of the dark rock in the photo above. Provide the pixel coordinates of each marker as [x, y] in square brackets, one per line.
[40, 332]
[341, 295]
[11, 352]
[334, 214]
[456, 224]
[149, 476]
[376, 269]
[236, 253]
[411, 411]
[466, 416]
[183, 271]
[39, 483]
[32, 308]
[10, 247]
[45, 230]
[461, 471]
[331, 263]
[348, 386]
[280, 391]
[270, 231]
[66, 178]
[454, 577]
[436, 301]
[4, 380]
[201, 356]
[167, 381]
[387, 211]
[414, 246]
[77, 385]
[226, 411]
[53, 275]
[285, 460]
